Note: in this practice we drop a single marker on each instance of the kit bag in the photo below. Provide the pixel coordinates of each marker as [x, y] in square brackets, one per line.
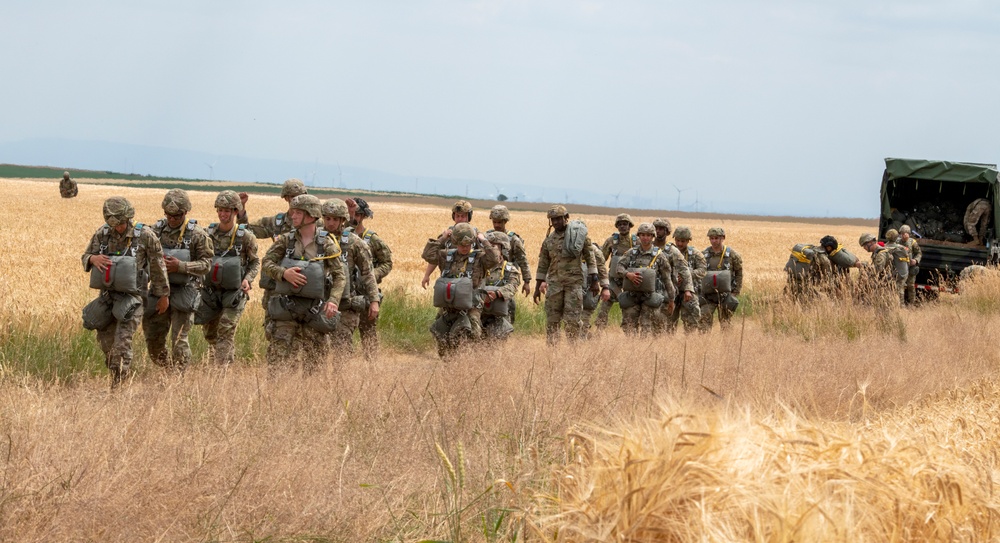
[648, 284]
[178, 278]
[717, 281]
[226, 272]
[498, 307]
[575, 238]
[454, 293]
[119, 276]
[315, 287]
[97, 315]
[843, 258]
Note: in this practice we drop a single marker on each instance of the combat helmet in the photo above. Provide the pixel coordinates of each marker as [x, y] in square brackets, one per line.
[463, 234]
[335, 207]
[624, 217]
[176, 202]
[646, 228]
[363, 207]
[865, 239]
[716, 231]
[499, 213]
[905, 229]
[829, 241]
[891, 235]
[662, 223]
[461, 206]
[682, 233]
[228, 199]
[66, 174]
[308, 203]
[293, 187]
[557, 211]
[499, 239]
[117, 210]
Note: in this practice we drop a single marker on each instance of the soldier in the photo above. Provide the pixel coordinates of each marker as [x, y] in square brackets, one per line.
[686, 296]
[915, 255]
[382, 264]
[119, 237]
[67, 187]
[808, 270]
[977, 218]
[187, 254]
[224, 292]
[458, 317]
[643, 294]
[499, 287]
[719, 257]
[591, 301]
[461, 212]
[900, 262]
[361, 292]
[309, 282]
[684, 309]
[841, 261]
[561, 278]
[500, 216]
[881, 275]
[614, 247]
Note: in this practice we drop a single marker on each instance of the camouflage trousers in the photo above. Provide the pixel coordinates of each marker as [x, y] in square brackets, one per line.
[220, 333]
[116, 343]
[343, 336]
[638, 319]
[368, 330]
[451, 334]
[264, 299]
[177, 325]
[708, 308]
[689, 313]
[910, 287]
[291, 340]
[563, 303]
[605, 306]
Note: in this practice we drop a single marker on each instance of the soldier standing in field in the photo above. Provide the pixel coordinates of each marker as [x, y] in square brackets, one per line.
[881, 276]
[120, 237]
[977, 218]
[841, 261]
[614, 247]
[561, 278]
[234, 246]
[640, 302]
[900, 256]
[382, 265]
[689, 312]
[808, 271]
[67, 187]
[187, 255]
[360, 299]
[721, 257]
[916, 254]
[309, 282]
[500, 216]
[461, 212]
[499, 285]
[687, 299]
[590, 300]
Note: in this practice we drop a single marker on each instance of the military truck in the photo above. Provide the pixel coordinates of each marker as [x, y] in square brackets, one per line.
[932, 196]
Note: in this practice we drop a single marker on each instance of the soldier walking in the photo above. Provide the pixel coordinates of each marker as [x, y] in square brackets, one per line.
[561, 278]
[686, 293]
[687, 309]
[725, 267]
[360, 299]
[644, 293]
[916, 254]
[67, 187]
[614, 248]
[499, 288]
[381, 264]
[461, 212]
[500, 216]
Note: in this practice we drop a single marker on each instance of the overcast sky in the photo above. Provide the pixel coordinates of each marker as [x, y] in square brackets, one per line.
[772, 104]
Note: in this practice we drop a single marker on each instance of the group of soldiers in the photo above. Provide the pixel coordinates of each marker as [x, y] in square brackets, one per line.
[655, 281]
[320, 279]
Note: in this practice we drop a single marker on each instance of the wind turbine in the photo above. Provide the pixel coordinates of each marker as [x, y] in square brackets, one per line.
[340, 174]
[211, 170]
[679, 191]
[616, 197]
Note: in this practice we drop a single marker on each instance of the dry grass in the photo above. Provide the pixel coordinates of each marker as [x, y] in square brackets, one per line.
[798, 424]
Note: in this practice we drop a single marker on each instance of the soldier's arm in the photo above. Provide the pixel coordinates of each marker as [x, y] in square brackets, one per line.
[512, 282]
[543, 263]
[666, 271]
[202, 253]
[430, 252]
[700, 267]
[93, 248]
[737, 265]
[602, 267]
[363, 260]
[918, 253]
[381, 257]
[491, 255]
[252, 261]
[262, 227]
[683, 271]
[520, 257]
[608, 247]
[623, 263]
[149, 244]
[271, 263]
[335, 271]
[590, 259]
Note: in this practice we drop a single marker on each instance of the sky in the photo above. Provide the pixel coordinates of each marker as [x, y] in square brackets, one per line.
[784, 107]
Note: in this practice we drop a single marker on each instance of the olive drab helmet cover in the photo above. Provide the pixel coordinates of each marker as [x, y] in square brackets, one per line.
[308, 203]
[335, 207]
[463, 233]
[683, 233]
[228, 199]
[176, 202]
[624, 217]
[662, 223]
[293, 187]
[865, 239]
[557, 211]
[117, 210]
[716, 231]
[461, 206]
[905, 229]
[646, 228]
[499, 239]
[499, 213]
[891, 235]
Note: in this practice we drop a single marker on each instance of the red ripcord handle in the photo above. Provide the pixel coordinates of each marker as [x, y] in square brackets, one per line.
[107, 274]
[215, 273]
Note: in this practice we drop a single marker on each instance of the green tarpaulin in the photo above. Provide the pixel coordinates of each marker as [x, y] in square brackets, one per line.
[940, 170]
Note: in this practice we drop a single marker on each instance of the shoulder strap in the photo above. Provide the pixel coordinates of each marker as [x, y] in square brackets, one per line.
[213, 227]
[278, 219]
[136, 232]
[616, 236]
[368, 235]
[635, 239]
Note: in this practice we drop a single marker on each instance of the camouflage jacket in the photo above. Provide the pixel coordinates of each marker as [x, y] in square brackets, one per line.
[684, 279]
[67, 188]
[882, 263]
[148, 255]
[820, 269]
[290, 245]
[358, 257]
[556, 267]
[381, 255]
[518, 255]
[727, 259]
[429, 254]
[659, 260]
[192, 237]
[231, 243]
[453, 264]
[915, 252]
[617, 244]
[267, 227]
[505, 275]
[602, 267]
[698, 265]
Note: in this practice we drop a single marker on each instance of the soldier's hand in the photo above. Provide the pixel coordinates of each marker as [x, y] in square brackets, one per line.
[634, 277]
[101, 262]
[605, 294]
[425, 281]
[330, 309]
[595, 288]
[526, 288]
[542, 287]
[373, 311]
[245, 286]
[446, 233]
[162, 304]
[670, 307]
[172, 263]
[243, 198]
[491, 295]
[294, 277]
[688, 296]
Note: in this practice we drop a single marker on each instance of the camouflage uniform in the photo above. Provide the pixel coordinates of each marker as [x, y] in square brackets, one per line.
[615, 246]
[364, 290]
[382, 265]
[640, 316]
[519, 258]
[67, 187]
[910, 294]
[605, 281]
[808, 270]
[175, 323]
[116, 339]
[565, 279]
[977, 218]
[507, 278]
[290, 338]
[684, 282]
[881, 277]
[727, 259]
[220, 332]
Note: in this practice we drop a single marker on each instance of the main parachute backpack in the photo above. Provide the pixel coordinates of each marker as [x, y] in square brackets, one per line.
[226, 272]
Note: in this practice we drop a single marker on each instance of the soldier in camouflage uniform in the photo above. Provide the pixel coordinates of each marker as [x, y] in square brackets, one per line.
[67, 187]
[841, 261]
[381, 263]
[502, 282]
[456, 258]
[561, 279]
[500, 216]
[177, 233]
[614, 247]
[119, 236]
[640, 309]
[916, 254]
[228, 240]
[881, 276]
[688, 312]
[687, 297]
[590, 300]
[294, 331]
[719, 256]
[977, 218]
[807, 272]
[900, 255]
[361, 293]
[461, 212]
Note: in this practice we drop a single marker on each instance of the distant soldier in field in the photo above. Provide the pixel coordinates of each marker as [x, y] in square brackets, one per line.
[499, 286]
[235, 247]
[916, 254]
[977, 218]
[187, 254]
[808, 272]
[841, 262]
[720, 258]
[686, 294]
[641, 302]
[461, 212]
[120, 237]
[900, 258]
[360, 299]
[382, 264]
[591, 301]
[881, 275]
[500, 216]
[67, 187]
[561, 278]
[614, 247]
[303, 308]
[687, 309]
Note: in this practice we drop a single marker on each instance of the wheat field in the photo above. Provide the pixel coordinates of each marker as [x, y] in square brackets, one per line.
[829, 423]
